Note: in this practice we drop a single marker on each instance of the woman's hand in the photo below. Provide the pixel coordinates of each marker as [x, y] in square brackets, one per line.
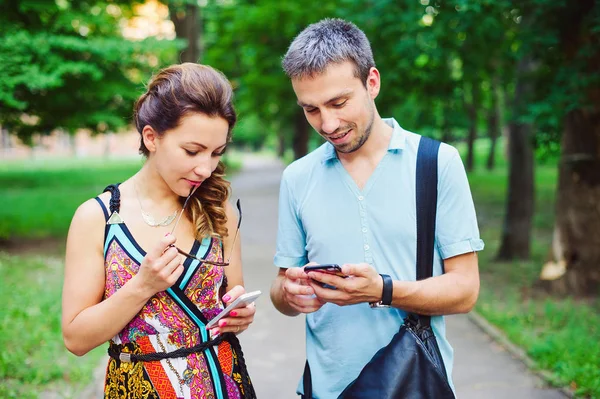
[160, 268]
[238, 319]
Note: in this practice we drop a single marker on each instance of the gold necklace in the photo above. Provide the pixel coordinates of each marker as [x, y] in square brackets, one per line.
[149, 219]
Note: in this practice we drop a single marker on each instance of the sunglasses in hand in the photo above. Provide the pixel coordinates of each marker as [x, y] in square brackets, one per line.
[202, 260]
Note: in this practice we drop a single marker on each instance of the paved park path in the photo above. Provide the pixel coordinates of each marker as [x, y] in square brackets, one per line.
[274, 345]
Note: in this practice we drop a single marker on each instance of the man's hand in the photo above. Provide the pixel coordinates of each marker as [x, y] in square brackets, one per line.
[297, 291]
[363, 284]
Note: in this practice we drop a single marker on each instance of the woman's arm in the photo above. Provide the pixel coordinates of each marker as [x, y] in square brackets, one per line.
[239, 319]
[234, 271]
[87, 320]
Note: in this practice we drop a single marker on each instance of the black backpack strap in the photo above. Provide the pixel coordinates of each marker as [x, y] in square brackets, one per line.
[307, 382]
[426, 197]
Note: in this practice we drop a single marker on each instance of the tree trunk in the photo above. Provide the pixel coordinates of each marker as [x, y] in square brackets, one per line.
[472, 113]
[575, 269]
[516, 234]
[73, 145]
[301, 131]
[494, 122]
[5, 142]
[576, 241]
[108, 139]
[188, 26]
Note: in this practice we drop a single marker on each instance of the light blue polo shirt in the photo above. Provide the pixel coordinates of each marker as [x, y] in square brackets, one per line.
[325, 218]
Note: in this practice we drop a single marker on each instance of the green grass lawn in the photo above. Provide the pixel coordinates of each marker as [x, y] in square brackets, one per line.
[33, 358]
[562, 335]
[39, 197]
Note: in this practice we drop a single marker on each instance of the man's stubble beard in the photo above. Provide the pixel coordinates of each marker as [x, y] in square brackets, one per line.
[362, 139]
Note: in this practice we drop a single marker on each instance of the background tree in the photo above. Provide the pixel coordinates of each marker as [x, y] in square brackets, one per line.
[66, 66]
[516, 233]
[449, 70]
[246, 40]
[574, 33]
[186, 16]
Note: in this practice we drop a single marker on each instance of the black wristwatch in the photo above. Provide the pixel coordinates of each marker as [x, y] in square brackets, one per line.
[386, 295]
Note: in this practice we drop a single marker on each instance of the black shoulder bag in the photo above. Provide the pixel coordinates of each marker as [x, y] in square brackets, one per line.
[410, 366]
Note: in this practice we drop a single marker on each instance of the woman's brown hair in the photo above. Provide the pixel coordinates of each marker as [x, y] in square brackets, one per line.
[173, 93]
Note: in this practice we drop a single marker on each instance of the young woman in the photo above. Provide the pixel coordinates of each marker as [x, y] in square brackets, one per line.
[146, 269]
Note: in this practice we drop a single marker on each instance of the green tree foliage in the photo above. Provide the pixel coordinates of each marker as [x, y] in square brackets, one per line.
[65, 65]
[563, 41]
[432, 56]
[438, 61]
[246, 40]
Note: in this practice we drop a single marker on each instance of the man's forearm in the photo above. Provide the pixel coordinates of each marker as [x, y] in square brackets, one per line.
[434, 296]
[455, 291]
[278, 298]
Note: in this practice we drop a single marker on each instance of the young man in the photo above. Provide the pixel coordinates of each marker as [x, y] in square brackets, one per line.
[352, 202]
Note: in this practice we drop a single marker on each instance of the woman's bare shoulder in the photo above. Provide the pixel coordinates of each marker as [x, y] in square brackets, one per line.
[91, 209]
[90, 213]
[86, 232]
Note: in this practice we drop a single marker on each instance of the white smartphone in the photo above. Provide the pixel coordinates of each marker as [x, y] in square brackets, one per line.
[240, 302]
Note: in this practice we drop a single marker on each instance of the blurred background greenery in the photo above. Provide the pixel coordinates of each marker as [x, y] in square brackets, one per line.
[515, 85]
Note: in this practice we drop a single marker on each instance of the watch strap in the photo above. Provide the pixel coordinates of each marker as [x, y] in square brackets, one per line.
[388, 287]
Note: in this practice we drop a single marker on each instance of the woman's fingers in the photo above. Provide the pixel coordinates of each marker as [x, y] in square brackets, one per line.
[234, 324]
[233, 293]
[173, 264]
[157, 273]
[161, 247]
[238, 320]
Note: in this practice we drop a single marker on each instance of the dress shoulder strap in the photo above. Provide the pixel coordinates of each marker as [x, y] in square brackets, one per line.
[115, 197]
[103, 208]
[115, 200]
[114, 204]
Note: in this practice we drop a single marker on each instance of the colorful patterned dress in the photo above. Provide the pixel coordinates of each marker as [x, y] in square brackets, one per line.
[170, 320]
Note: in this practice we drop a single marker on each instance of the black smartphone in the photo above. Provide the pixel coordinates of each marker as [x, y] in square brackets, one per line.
[327, 268]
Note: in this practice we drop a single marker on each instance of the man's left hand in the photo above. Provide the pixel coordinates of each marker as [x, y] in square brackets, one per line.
[363, 284]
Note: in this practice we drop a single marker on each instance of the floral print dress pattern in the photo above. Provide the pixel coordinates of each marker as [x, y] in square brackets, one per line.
[170, 320]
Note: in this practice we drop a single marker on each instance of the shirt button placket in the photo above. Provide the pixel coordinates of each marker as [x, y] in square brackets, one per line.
[364, 229]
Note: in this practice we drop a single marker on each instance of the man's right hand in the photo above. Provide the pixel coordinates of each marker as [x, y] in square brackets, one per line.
[297, 293]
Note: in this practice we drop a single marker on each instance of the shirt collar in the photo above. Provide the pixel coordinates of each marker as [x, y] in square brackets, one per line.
[328, 152]
[397, 142]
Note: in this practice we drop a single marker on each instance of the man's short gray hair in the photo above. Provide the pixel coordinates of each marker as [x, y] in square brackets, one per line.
[329, 41]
